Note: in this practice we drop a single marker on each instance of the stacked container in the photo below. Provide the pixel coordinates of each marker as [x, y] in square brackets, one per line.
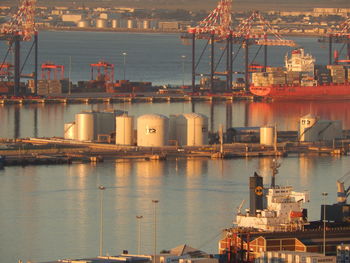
[322, 75]
[337, 73]
[293, 78]
[54, 86]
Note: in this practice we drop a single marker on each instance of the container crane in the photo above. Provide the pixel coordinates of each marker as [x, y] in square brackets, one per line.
[217, 27]
[21, 27]
[341, 36]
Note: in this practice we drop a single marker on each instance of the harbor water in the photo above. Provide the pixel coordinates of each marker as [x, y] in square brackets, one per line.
[53, 212]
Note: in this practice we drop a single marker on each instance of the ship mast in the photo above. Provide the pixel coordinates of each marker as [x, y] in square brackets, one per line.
[275, 165]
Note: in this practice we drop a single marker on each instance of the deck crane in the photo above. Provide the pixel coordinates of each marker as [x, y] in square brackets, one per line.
[21, 27]
[342, 193]
[340, 211]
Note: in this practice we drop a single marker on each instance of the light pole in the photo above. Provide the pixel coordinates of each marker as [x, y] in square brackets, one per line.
[101, 188]
[155, 202]
[139, 235]
[124, 68]
[324, 195]
[183, 69]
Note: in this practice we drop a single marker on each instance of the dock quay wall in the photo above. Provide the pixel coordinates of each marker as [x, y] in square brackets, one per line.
[56, 151]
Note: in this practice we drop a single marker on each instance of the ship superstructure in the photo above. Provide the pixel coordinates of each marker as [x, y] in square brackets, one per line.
[300, 62]
[277, 208]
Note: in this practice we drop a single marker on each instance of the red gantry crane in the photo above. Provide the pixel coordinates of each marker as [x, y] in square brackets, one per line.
[217, 27]
[21, 27]
[48, 68]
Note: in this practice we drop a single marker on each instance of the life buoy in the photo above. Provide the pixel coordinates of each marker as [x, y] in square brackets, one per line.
[258, 190]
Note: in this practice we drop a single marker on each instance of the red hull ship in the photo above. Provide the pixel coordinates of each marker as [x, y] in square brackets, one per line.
[301, 79]
[287, 92]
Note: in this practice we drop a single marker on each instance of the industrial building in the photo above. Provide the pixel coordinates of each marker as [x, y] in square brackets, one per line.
[312, 128]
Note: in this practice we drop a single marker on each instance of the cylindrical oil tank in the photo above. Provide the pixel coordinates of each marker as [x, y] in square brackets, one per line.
[307, 131]
[124, 130]
[101, 23]
[146, 24]
[85, 125]
[152, 130]
[130, 23]
[267, 135]
[192, 129]
[83, 23]
[105, 122]
[69, 131]
[115, 23]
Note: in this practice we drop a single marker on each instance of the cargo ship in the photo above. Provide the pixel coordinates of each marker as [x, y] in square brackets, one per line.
[277, 221]
[301, 79]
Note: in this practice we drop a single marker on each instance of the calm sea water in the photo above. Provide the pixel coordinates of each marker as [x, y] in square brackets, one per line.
[51, 212]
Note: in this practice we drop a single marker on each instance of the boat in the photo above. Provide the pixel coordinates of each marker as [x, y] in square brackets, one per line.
[301, 79]
[274, 208]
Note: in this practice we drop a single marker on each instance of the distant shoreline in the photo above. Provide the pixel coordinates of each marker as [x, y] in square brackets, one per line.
[152, 31]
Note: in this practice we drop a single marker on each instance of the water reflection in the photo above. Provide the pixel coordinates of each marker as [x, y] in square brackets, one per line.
[196, 167]
[287, 114]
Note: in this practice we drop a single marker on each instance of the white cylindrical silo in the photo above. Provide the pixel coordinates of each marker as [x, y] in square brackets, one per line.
[101, 23]
[85, 125]
[69, 131]
[130, 23]
[124, 130]
[267, 135]
[152, 130]
[146, 24]
[307, 128]
[115, 23]
[192, 129]
[83, 23]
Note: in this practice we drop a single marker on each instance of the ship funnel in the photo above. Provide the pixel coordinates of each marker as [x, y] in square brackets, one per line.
[256, 193]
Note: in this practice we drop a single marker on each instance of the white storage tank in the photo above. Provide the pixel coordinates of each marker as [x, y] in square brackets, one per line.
[86, 126]
[146, 24]
[101, 23]
[83, 24]
[267, 135]
[69, 131]
[115, 23]
[124, 130]
[307, 131]
[152, 130]
[192, 129]
[130, 23]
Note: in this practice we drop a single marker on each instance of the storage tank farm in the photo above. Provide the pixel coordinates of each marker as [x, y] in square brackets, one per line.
[152, 130]
[192, 129]
[124, 130]
[267, 135]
